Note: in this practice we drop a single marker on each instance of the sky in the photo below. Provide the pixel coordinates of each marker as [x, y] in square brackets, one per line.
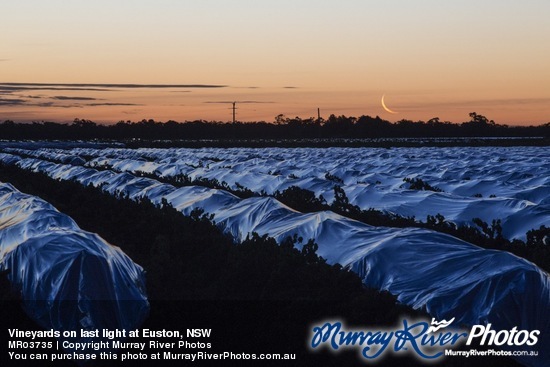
[109, 61]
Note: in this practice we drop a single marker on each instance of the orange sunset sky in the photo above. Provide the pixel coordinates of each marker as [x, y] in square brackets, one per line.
[170, 59]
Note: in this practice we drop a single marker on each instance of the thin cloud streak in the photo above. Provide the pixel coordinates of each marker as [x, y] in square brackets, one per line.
[479, 103]
[11, 102]
[10, 89]
[8, 102]
[109, 85]
[225, 102]
[112, 104]
[66, 98]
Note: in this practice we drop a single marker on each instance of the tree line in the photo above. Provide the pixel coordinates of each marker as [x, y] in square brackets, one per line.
[281, 128]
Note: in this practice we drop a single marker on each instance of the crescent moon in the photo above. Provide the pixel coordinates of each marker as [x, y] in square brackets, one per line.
[385, 107]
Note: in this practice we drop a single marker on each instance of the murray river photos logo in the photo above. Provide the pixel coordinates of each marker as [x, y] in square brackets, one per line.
[427, 341]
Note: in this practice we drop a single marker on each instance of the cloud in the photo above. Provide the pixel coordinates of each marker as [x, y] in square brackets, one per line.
[238, 102]
[50, 104]
[25, 102]
[108, 86]
[66, 98]
[290, 87]
[10, 89]
[112, 104]
[132, 112]
[15, 87]
[481, 103]
[28, 102]
[11, 102]
[57, 101]
[256, 102]
[22, 102]
[515, 101]
[251, 87]
[500, 102]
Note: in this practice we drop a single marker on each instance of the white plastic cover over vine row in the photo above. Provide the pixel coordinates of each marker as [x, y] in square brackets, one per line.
[68, 279]
[447, 276]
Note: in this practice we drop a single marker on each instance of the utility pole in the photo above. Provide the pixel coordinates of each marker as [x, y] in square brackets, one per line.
[318, 115]
[234, 108]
